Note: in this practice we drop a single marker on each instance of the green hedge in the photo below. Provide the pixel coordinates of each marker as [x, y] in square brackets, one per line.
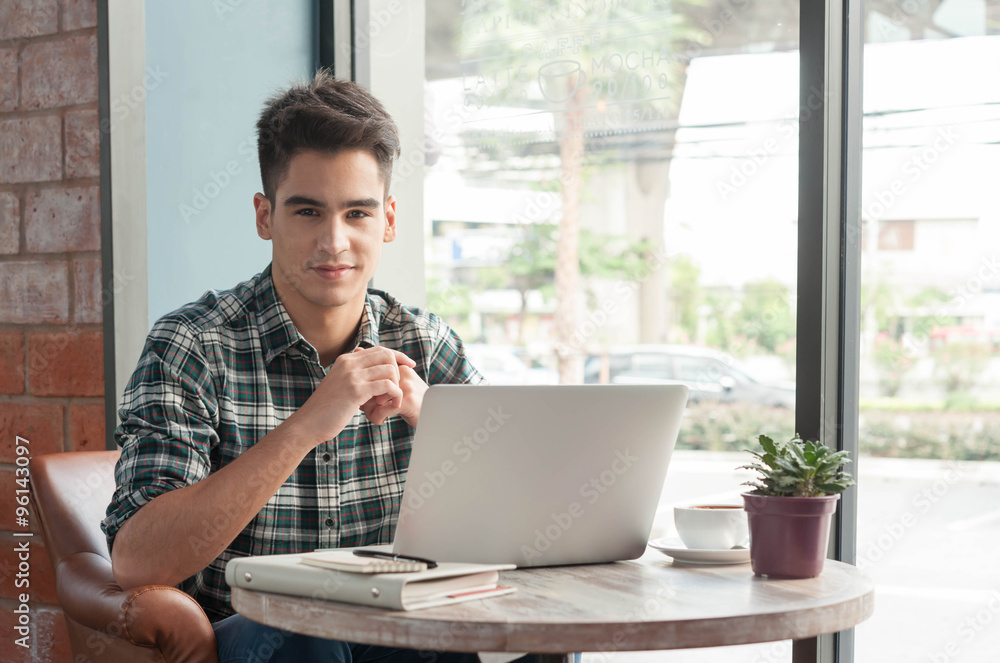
[890, 433]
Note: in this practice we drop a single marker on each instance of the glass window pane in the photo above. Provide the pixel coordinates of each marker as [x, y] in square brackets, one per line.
[929, 494]
[611, 194]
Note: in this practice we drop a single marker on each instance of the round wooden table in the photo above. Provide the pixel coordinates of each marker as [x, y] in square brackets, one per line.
[647, 604]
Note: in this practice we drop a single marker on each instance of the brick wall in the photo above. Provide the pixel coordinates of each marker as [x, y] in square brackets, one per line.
[51, 375]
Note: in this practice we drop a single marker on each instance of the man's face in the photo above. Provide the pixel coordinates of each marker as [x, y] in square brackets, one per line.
[327, 223]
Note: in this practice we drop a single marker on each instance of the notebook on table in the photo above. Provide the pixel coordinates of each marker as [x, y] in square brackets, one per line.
[301, 575]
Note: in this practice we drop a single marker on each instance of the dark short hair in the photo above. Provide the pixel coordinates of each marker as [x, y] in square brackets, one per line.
[326, 115]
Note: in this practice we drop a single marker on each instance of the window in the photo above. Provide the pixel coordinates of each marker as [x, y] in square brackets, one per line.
[930, 487]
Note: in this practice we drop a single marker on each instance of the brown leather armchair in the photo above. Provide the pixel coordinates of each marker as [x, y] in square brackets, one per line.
[106, 623]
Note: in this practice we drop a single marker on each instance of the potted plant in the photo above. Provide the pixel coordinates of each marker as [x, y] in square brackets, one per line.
[790, 506]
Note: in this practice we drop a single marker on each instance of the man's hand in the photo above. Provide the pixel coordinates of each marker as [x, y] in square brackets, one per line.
[380, 408]
[369, 375]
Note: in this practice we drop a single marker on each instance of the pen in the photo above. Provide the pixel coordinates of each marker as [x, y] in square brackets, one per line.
[399, 558]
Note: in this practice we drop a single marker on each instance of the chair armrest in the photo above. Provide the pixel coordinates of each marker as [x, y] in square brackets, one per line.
[157, 616]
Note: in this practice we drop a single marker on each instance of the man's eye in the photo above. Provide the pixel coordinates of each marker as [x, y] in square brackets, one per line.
[357, 214]
[307, 212]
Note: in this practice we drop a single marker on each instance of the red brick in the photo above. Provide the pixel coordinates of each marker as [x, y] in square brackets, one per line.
[41, 424]
[11, 363]
[8, 501]
[59, 73]
[41, 579]
[51, 637]
[34, 291]
[79, 14]
[82, 144]
[10, 651]
[87, 290]
[31, 149]
[10, 223]
[62, 219]
[86, 427]
[66, 364]
[8, 79]
[28, 18]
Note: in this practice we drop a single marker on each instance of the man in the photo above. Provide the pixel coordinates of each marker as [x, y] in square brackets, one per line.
[241, 432]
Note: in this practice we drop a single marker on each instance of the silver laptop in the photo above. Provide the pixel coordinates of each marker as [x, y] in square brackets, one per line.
[537, 475]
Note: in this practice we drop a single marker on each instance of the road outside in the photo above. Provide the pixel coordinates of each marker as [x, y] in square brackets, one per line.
[928, 533]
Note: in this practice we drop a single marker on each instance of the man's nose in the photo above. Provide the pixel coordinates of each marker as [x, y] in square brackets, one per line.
[333, 238]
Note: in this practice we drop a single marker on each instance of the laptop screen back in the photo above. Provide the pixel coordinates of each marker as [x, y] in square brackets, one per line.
[537, 475]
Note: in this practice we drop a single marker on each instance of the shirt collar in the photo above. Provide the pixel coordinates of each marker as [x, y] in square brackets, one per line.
[278, 332]
[276, 329]
[367, 336]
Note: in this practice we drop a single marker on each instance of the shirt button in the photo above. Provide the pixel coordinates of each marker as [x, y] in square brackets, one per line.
[327, 457]
[329, 522]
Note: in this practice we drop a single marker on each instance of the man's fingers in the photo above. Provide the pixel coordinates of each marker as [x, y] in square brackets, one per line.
[380, 355]
[403, 360]
[371, 356]
[383, 389]
[380, 372]
[386, 402]
[368, 407]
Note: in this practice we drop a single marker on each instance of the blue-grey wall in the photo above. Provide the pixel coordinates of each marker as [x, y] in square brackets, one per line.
[211, 65]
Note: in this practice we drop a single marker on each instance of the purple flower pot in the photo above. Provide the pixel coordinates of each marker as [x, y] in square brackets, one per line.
[789, 535]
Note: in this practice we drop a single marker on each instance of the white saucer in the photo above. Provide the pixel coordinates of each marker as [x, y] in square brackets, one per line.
[674, 548]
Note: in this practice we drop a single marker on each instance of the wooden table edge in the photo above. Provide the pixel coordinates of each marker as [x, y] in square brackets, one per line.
[378, 627]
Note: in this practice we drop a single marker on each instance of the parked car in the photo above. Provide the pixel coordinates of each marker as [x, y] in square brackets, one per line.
[501, 364]
[711, 375]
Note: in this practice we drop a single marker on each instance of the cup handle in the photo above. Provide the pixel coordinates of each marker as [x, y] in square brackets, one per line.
[582, 81]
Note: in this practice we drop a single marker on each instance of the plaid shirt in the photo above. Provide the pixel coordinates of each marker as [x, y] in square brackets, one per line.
[217, 375]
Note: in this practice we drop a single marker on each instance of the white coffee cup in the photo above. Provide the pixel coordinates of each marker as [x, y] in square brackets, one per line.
[712, 526]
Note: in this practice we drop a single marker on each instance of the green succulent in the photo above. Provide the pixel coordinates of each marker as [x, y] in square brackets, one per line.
[798, 468]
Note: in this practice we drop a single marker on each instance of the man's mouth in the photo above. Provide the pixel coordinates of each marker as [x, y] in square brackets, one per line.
[332, 272]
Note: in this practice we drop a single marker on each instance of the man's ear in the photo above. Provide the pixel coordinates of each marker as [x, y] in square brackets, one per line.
[390, 218]
[262, 206]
